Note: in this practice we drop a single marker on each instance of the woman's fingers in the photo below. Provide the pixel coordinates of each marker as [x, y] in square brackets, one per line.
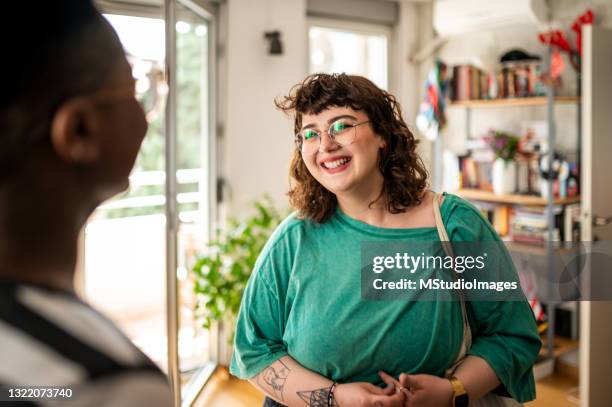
[410, 381]
[388, 378]
[392, 383]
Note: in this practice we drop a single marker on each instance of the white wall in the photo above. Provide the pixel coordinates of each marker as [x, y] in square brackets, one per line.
[258, 139]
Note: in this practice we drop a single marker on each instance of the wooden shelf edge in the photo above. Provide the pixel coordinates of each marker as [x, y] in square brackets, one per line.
[510, 199]
[510, 102]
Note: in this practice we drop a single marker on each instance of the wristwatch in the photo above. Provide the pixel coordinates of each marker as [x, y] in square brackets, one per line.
[460, 396]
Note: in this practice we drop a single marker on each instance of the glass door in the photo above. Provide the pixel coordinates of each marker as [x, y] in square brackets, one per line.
[139, 247]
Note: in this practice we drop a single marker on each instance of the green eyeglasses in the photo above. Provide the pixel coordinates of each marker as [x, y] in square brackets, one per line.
[341, 132]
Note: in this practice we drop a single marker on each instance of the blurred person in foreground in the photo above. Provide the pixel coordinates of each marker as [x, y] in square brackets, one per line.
[70, 131]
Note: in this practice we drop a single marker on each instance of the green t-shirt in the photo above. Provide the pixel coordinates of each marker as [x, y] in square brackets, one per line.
[304, 300]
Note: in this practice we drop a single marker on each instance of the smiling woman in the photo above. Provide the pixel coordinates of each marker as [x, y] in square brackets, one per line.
[306, 335]
[361, 112]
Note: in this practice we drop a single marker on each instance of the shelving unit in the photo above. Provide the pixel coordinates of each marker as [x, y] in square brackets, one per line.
[548, 250]
[588, 383]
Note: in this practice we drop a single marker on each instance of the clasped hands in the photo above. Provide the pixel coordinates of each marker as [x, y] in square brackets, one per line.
[419, 390]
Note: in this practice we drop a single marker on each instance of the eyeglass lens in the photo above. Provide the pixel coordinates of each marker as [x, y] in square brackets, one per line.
[341, 132]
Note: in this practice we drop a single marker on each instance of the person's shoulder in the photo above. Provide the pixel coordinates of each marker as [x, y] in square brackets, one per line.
[283, 236]
[52, 337]
[40, 322]
[287, 238]
[291, 229]
[454, 203]
[291, 222]
[464, 220]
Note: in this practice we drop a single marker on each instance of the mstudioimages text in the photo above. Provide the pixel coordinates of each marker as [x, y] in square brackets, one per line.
[411, 263]
[439, 284]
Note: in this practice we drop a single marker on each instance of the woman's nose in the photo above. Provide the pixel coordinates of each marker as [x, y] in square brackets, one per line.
[327, 143]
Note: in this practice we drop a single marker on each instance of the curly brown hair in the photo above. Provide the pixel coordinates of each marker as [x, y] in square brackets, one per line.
[404, 174]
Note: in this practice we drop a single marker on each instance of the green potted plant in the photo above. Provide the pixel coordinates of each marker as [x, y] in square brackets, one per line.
[224, 267]
[505, 147]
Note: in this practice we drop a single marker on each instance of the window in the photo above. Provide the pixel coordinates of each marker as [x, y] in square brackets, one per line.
[353, 48]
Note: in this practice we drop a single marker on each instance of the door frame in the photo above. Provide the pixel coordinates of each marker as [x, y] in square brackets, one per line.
[172, 223]
[595, 355]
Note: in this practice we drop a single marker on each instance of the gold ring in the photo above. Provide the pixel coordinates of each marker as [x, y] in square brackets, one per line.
[401, 389]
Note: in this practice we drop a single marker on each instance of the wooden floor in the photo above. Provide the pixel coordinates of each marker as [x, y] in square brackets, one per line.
[226, 391]
[556, 391]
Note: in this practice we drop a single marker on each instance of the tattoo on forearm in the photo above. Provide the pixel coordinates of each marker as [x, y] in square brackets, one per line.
[272, 379]
[317, 398]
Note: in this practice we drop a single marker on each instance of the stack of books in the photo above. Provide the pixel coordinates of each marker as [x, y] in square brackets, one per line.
[530, 225]
[468, 83]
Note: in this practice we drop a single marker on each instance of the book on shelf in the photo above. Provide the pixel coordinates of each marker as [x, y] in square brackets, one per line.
[501, 219]
[468, 83]
[530, 225]
[476, 170]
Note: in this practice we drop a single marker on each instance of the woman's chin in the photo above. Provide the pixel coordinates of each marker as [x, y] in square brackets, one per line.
[339, 188]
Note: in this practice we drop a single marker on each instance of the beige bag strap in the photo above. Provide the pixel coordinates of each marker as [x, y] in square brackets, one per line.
[490, 399]
[448, 249]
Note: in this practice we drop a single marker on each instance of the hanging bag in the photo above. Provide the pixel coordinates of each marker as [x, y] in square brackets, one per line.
[490, 399]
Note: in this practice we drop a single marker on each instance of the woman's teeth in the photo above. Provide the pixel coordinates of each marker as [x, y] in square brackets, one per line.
[334, 164]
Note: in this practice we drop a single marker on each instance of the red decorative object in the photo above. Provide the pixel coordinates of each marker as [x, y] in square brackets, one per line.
[558, 39]
[586, 18]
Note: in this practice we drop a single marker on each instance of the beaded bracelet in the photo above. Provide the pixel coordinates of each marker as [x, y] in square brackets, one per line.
[330, 395]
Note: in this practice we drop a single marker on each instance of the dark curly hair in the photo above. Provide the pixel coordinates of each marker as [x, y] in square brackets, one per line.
[404, 174]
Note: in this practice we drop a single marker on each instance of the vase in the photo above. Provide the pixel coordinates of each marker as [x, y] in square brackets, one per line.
[504, 177]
